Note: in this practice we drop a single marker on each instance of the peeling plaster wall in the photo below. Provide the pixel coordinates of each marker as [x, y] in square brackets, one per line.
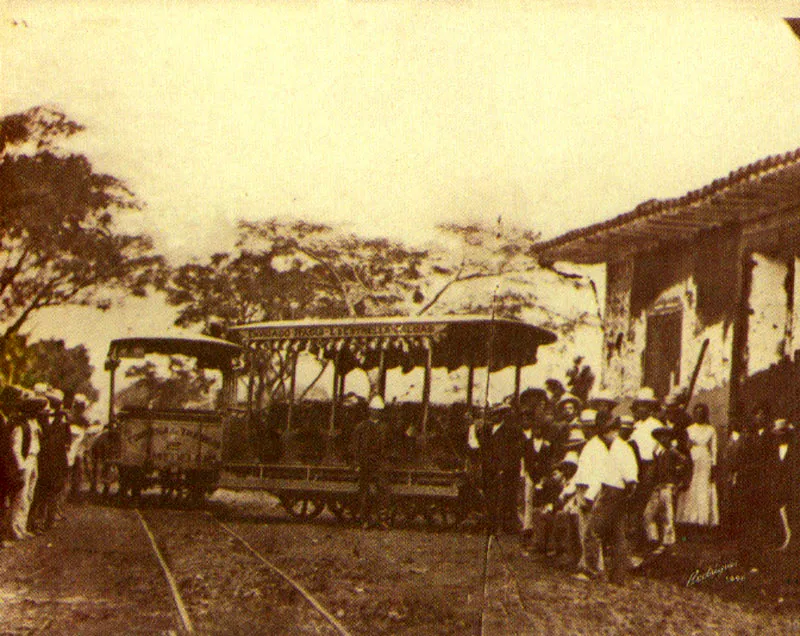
[770, 322]
[625, 335]
[618, 337]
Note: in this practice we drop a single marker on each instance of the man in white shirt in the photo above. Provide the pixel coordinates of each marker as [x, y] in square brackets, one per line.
[588, 481]
[619, 477]
[645, 406]
[25, 444]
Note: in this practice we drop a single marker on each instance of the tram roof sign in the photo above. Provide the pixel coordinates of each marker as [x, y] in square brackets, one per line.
[404, 341]
[210, 352]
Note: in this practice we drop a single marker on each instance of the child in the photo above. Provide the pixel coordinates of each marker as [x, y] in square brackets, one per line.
[671, 470]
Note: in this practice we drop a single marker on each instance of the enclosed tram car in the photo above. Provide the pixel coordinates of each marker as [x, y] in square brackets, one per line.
[159, 438]
[303, 447]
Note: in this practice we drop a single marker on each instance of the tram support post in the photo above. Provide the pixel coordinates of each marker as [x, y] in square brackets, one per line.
[292, 388]
[426, 385]
[382, 372]
[517, 383]
[470, 385]
[334, 391]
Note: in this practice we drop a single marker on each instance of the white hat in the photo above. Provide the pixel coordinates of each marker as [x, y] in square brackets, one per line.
[57, 395]
[646, 394]
[603, 396]
[40, 388]
[80, 398]
[376, 403]
[588, 417]
[626, 421]
[570, 458]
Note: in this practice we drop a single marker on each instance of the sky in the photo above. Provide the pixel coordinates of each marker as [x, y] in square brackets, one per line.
[391, 117]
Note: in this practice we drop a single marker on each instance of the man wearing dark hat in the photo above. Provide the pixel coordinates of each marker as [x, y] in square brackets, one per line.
[536, 456]
[501, 453]
[52, 461]
[671, 470]
[369, 449]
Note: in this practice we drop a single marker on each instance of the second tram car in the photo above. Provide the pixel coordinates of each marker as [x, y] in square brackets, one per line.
[169, 422]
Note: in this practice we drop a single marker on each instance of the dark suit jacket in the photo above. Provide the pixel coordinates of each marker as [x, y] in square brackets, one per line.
[536, 464]
[501, 450]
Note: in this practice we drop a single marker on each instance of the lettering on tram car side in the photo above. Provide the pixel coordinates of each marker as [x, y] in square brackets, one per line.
[347, 331]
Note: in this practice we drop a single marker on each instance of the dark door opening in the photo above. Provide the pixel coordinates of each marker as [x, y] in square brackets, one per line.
[662, 354]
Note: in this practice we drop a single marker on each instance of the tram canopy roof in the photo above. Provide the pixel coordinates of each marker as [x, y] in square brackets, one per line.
[209, 352]
[454, 341]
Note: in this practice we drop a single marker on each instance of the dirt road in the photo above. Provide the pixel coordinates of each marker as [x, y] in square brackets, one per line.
[96, 574]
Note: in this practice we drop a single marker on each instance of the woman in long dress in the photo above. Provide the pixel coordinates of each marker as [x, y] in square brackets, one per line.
[698, 504]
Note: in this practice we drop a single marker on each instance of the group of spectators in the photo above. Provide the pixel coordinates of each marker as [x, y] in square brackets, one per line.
[42, 443]
[604, 492]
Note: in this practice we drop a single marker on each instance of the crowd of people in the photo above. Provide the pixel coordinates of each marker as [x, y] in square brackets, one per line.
[44, 442]
[604, 492]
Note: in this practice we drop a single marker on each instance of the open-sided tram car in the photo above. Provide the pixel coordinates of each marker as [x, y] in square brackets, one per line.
[171, 444]
[303, 447]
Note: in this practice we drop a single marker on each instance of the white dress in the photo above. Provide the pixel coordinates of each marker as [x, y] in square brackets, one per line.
[698, 504]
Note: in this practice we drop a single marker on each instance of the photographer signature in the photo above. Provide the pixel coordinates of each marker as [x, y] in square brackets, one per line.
[715, 572]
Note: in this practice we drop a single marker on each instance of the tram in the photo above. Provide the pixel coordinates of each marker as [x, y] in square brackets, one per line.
[302, 446]
[169, 422]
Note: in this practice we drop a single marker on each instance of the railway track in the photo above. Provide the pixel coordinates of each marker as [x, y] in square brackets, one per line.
[220, 583]
[502, 610]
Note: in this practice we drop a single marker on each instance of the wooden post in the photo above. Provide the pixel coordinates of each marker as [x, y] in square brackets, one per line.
[470, 385]
[426, 385]
[517, 382]
[292, 387]
[334, 390]
[382, 373]
[111, 365]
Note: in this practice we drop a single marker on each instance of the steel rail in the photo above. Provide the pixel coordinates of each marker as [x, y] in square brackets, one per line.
[173, 586]
[341, 629]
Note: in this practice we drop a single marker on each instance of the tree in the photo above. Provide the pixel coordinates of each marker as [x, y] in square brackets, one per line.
[483, 251]
[362, 276]
[59, 243]
[246, 286]
[65, 368]
[183, 386]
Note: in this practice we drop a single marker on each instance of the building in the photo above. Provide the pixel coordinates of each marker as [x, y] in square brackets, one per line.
[719, 264]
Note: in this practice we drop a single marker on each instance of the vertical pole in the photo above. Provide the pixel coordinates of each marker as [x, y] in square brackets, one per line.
[470, 385]
[292, 386]
[517, 382]
[426, 385]
[741, 323]
[382, 373]
[112, 374]
[334, 391]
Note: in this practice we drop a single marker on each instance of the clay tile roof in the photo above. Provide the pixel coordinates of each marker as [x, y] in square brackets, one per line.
[763, 188]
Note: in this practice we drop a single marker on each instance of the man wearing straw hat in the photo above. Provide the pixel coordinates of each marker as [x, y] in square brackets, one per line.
[645, 406]
[588, 480]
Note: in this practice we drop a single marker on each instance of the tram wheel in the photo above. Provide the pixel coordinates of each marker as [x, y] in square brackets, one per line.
[342, 509]
[442, 514]
[303, 507]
